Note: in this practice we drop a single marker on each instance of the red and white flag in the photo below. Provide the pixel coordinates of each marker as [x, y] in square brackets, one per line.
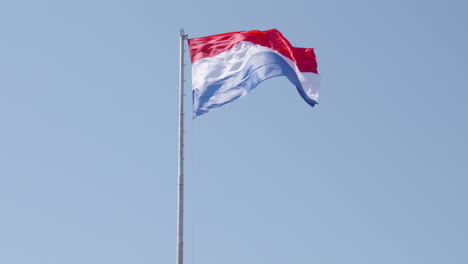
[228, 66]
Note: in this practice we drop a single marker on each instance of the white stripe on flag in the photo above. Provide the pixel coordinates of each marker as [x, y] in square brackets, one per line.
[232, 74]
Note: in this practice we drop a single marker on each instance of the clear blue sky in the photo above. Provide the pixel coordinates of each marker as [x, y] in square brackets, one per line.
[376, 173]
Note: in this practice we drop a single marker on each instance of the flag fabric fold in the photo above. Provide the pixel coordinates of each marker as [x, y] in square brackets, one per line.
[228, 66]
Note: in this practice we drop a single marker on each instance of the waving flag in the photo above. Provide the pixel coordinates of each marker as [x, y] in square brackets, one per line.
[228, 66]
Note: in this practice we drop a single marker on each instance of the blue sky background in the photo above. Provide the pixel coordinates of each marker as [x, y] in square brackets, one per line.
[376, 173]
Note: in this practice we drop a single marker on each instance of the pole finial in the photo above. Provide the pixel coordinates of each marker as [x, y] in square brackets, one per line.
[182, 33]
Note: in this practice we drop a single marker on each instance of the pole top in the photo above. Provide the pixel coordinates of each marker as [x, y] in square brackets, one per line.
[182, 33]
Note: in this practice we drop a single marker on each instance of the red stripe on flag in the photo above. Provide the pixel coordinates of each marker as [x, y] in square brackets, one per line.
[213, 45]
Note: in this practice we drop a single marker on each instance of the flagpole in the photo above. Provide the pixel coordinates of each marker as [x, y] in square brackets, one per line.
[180, 193]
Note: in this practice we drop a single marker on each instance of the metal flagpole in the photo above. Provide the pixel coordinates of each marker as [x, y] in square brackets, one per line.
[180, 202]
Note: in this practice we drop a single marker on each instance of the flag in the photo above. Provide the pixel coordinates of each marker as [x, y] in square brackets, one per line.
[228, 66]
